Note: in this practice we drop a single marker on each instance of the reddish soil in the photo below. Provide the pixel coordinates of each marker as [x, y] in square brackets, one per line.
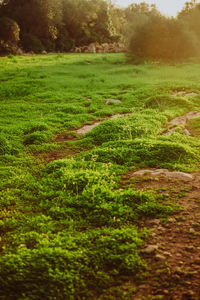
[55, 155]
[174, 267]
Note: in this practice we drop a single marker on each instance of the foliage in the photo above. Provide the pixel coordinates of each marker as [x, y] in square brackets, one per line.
[9, 30]
[136, 125]
[32, 43]
[159, 37]
[9, 35]
[69, 227]
[49, 25]
[52, 271]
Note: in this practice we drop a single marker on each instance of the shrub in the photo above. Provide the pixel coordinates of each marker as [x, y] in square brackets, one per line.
[143, 151]
[32, 43]
[35, 127]
[36, 138]
[163, 38]
[9, 31]
[137, 125]
[64, 43]
[70, 267]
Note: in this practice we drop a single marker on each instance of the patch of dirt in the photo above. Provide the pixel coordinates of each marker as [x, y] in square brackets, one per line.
[87, 128]
[181, 121]
[48, 157]
[64, 137]
[172, 252]
[68, 136]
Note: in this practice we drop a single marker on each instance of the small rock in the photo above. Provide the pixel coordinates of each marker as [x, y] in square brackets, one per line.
[171, 220]
[158, 172]
[180, 93]
[143, 172]
[160, 228]
[167, 253]
[110, 100]
[143, 286]
[187, 132]
[180, 176]
[191, 94]
[160, 257]
[178, 254]
[150, 249]
[155, 221]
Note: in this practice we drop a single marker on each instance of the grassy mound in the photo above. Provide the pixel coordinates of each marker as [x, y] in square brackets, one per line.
[68, 228]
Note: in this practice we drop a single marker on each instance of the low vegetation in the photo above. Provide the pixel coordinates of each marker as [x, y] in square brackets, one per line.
[68, 228]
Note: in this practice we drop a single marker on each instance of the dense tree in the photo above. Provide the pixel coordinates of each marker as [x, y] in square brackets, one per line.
[9, 35]
[58, 25]
[155, 36]
[89, 21]
[9, 30]
[38, 25]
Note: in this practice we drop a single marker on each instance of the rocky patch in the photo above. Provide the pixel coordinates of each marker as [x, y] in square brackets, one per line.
[172, 251]
[110, 100]
[181, 121]
[87, 128]
[183, 94]
[164, 172]
[101, 48]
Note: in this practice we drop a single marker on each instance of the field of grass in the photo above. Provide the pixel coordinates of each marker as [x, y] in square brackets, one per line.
[68, 229]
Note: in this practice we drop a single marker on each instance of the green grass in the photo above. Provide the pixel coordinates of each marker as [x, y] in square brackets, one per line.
[68, 230]
[194, 126]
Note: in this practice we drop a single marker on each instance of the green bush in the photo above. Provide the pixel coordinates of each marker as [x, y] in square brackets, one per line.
[36, 138]
[32, 43]
[9, 31]
[143, 151]
[69, 267]
[35, 127]
[136, 125]
[70, 109]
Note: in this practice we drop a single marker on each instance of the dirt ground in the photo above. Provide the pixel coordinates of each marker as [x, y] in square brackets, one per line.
[172, 252]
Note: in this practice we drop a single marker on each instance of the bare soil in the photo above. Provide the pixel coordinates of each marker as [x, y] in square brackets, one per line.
[174, 264]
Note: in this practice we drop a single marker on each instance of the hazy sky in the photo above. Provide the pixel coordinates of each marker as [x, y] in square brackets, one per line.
[167, 7]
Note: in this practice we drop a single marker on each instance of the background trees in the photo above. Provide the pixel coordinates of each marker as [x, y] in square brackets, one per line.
[152, 35]
[59, 25]
[38, 25]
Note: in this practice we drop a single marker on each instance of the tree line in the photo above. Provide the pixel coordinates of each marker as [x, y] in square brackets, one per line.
[61, 25]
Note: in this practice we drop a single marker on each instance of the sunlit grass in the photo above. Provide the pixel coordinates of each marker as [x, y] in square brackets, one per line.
[69, 220]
